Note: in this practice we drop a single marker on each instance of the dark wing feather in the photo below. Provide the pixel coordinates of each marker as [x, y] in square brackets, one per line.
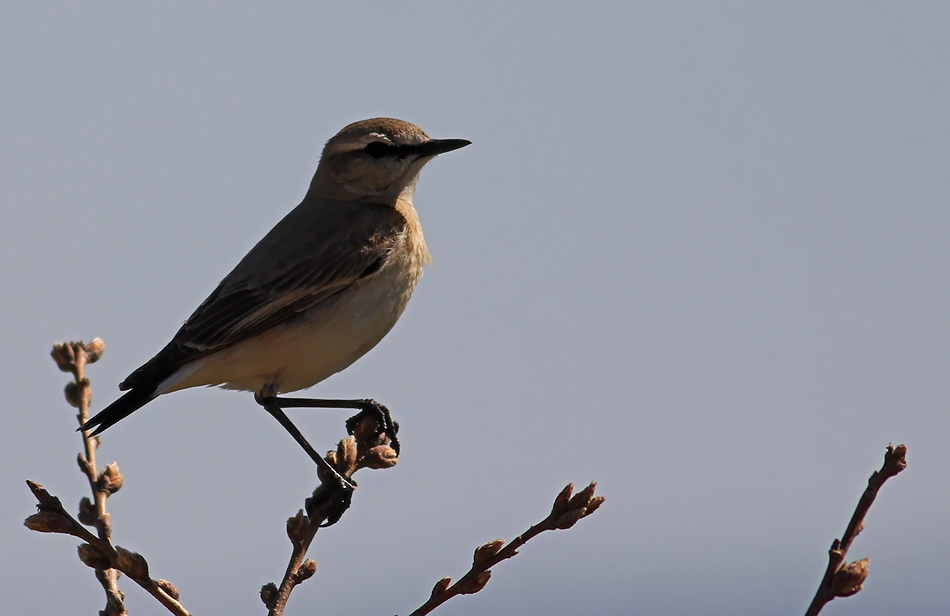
[316, 251]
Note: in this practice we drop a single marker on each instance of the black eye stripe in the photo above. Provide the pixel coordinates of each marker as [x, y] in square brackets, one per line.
[378, 149]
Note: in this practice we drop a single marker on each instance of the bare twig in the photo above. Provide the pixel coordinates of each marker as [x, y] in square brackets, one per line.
[368, 447]
[98, 551]
[844, 580]
[567, 510]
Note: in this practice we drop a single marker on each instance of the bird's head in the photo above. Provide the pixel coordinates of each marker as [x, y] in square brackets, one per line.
[378, 158]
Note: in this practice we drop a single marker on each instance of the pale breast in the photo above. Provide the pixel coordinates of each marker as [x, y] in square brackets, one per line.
[321, 341]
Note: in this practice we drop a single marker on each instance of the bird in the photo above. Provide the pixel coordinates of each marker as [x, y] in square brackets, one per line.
[320, 290]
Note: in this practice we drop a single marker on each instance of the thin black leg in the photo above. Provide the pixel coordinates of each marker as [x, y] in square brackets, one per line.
[382, 414]
[271, 406]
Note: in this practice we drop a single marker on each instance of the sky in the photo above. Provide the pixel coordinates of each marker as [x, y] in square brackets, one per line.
[697, 252]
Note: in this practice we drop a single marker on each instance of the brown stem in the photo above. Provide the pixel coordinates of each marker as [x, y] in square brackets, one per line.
[90, 444]
[98, 551]
[367, 448]
[566, 512]
[844, 580]
[104, 557]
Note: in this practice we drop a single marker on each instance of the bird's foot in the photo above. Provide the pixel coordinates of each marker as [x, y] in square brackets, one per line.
[384, 421]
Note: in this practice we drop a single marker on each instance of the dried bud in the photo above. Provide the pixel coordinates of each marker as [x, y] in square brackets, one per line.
[380, 456]
[560, 502]
[296, 526]
[94, 350]
[78, 393]
[849, 579]
[83, 463]
[45, 500]
[87, 512]
[474, 585]
[485, 553]
[323, 474]
[165, 585]
[346, 455]
[594, 505]
[132, 563]
[569, 519]
[582, 498]
[441, 586]
[269, 595]
[92, 557]
[49, 522]
[110, 479]
[306, 571]
[64, 355]
[895, 460]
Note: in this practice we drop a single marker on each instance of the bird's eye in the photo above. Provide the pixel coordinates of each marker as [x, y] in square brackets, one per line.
[377, 149]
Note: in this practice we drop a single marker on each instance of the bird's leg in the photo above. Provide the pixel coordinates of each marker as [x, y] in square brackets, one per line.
[272, 406]
[371, 407]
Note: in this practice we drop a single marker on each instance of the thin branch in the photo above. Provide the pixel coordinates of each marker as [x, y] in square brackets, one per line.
[368, 447]
[98, 551]
[844, 580]
[567, 510]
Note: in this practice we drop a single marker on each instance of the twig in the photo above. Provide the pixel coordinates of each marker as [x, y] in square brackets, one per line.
[99, 554]
[98, 551]
[567, 510]
[844, 580]
[368, 447]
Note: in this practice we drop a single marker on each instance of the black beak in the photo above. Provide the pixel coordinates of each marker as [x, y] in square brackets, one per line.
[434, 147]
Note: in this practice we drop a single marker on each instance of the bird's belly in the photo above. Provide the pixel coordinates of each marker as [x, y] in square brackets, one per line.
[313, 345]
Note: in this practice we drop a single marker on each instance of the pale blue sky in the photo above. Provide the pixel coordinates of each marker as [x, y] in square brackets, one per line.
[697, 252]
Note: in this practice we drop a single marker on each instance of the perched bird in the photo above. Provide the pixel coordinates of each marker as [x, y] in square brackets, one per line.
[317, 292]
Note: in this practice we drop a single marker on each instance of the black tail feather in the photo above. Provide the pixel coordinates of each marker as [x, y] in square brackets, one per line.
[120, 409]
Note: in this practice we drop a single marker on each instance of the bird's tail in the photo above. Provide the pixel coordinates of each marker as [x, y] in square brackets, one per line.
[120, 409]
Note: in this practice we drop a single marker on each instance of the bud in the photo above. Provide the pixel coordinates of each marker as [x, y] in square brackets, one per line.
[296, 526]
[560, 503]
[91, 557]
[45, 500]
[269, 595]
[88, 514]
[165, 585]
[569, 519]
[94, 350]
[850, 578]
[78, 393]
[473, 586]
[133, 563]
[306, 571]
[441, 586]
[83, 463]
[323, 473]
[346, 455]
[594, 505]
[485, 553]
[380, 456]
[64, 355]
[110, 479]
[582, 498]
[49, 522]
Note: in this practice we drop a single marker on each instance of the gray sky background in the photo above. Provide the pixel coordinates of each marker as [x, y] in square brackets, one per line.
[698, 252]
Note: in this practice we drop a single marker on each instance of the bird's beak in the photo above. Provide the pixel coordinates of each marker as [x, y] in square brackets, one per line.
[434, 147]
